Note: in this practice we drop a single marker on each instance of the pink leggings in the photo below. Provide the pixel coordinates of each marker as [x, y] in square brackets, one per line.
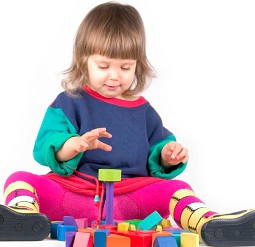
[56, 201]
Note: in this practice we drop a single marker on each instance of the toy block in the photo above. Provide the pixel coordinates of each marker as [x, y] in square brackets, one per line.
[163, 241]
[156, 234]
[108, 176]
[137, 238]
[158, 228]
[114, 240]
[100, 237]
[83, 239]
[123, 226]
[189, 239]
[150, 221]
[54, 229]
[165, 223]
[70, 238]
[110, 227]
[132, 227]
[69, 221]
[177, 238]
[62, 229]
[134, 222]
[175, 230]
[81, 223]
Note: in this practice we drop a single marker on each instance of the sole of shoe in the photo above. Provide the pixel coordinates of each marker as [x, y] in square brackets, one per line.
[16, 226]
[222, 232]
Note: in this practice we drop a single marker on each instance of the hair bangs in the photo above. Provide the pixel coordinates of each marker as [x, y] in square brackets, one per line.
[114, 44]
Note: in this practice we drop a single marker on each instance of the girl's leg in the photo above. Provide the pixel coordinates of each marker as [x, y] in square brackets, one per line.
[49, 197]
[189, 212]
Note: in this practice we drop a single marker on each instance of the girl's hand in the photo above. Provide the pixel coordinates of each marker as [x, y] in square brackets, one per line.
[173, 153]
[78, 144]
[90, 140]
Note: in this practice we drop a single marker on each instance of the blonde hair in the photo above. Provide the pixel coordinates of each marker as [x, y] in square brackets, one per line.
[114, 30]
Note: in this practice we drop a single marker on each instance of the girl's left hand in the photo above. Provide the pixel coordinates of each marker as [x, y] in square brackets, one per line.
[173, 153]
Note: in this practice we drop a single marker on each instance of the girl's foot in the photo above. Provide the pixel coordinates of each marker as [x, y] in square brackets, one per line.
[236, 229]
[21, 224]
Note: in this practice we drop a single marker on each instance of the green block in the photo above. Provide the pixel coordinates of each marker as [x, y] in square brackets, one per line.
[109, 175]
[134, 222]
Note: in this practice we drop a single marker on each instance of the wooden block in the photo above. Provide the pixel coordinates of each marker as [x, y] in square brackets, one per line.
[158, 228]
[175, 230]
[83, 239]
[62, 229]
[150, 221]
[123, 227]
[70, 238]
[137, 238]
[189, 239]
[132, 227]
[109, 175]
[54, 229]
[114, 240]
[82, 223]
[156, 234]
[163, 241]
[100, 237]
[165, 223]
[69, 221]
[134, 222]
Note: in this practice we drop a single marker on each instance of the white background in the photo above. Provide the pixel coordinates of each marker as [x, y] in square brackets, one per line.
[204, 53]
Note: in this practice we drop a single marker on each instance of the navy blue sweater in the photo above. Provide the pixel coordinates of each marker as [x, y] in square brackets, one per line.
[138, 135]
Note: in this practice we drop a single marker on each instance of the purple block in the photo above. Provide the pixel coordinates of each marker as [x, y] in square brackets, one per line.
[109, 186]
[70, 236]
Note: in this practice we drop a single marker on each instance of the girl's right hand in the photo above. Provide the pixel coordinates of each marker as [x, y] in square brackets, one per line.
[90, 140]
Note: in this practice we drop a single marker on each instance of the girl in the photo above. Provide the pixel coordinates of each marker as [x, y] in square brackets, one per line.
[101, 121]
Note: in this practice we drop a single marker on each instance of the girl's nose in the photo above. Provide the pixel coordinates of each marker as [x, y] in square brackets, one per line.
[113, 74]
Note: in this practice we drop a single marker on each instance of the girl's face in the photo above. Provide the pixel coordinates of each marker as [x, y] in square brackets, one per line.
[110, 77]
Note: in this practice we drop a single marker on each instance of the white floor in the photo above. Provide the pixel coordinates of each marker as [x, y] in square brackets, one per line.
[45, 243]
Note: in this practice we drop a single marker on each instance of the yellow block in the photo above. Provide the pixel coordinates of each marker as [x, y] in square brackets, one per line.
[189, 239]
[123, 227]
[165, 223]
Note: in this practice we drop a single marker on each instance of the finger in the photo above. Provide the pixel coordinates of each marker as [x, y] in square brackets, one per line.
[177, 150]
[104, 146]
[183, 155]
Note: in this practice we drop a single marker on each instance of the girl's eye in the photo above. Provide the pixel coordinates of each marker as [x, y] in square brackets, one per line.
[125, 68]
[103, 67]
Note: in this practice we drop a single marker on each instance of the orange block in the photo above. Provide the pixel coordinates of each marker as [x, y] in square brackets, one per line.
[114, 240]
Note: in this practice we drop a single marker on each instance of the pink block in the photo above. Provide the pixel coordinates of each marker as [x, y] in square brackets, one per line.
[82, 223]
[83, 239]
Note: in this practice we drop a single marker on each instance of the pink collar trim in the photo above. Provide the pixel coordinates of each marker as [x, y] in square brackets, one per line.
[119, 102]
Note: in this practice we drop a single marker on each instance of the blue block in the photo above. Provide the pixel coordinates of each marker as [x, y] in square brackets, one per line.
[100, 237]
[163, 241]
[54, 229]
[62, 229]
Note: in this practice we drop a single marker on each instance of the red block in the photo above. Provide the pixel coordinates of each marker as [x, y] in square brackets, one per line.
[137, 238]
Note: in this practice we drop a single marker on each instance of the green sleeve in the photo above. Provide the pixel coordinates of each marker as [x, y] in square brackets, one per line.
[55, 130]
[154, 166]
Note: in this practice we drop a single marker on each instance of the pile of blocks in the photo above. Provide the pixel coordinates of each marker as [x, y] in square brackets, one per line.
[153, 231]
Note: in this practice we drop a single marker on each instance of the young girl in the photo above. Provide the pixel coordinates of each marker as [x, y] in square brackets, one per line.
[100, 121]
